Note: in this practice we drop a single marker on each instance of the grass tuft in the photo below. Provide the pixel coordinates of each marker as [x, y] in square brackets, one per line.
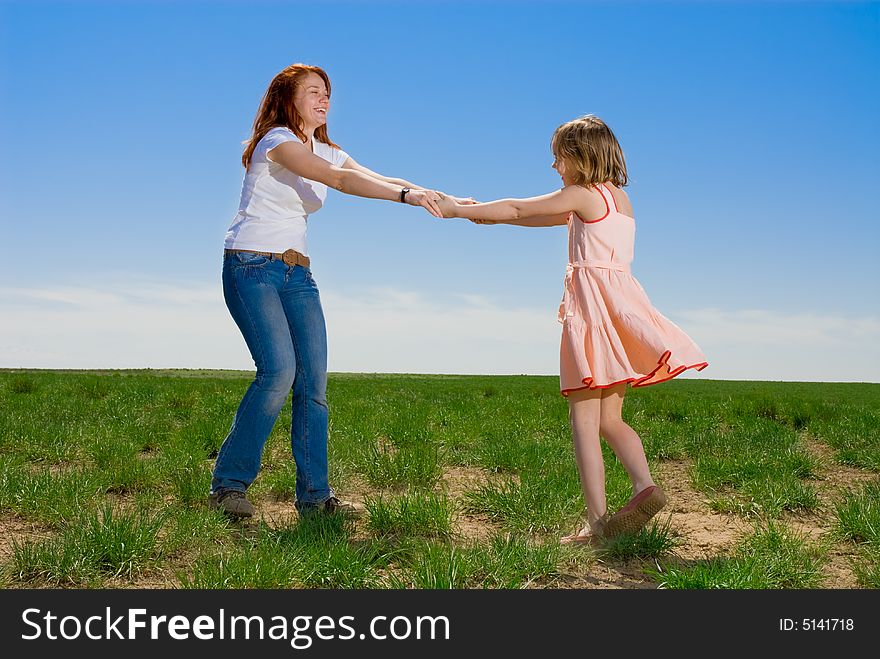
[416, 514]
[22, 384]
[772, 557]
[858, 515]
[652, 541]
[98, 545]
[536, 502]
[414, 464]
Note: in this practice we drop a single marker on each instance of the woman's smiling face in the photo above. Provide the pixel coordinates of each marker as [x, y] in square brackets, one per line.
[312, 100]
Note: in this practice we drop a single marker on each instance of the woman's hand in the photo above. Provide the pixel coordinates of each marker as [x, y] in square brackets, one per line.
[428, 199]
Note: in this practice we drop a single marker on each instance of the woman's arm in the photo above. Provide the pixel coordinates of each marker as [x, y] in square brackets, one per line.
[547, 210]
[351, 163]
[302, 162]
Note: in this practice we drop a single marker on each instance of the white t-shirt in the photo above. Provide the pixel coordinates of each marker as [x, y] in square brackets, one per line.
[276, 203]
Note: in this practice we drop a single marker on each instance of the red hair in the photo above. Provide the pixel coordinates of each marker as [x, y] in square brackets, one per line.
[277, 108]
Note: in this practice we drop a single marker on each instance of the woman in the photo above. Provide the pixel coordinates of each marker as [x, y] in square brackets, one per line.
[290, 162]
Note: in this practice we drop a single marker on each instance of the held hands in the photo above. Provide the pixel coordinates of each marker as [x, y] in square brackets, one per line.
[428, 199]
[437, 203]
[442, 205]
[449, 205]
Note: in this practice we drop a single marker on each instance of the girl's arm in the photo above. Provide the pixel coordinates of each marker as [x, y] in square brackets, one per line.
[536, 221]
[547, 210]
[296, 157]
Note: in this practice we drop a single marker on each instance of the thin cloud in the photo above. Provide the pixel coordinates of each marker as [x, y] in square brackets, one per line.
[763, 327]
[147, 324]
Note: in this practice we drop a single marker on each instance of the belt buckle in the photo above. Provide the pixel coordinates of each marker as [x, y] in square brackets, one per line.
[290, 257]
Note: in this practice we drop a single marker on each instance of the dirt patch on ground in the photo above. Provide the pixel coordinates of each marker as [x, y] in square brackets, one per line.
[834, 475]
[153, 581]
[457, 480]
[597, 574]
[707, 533]
[275, 514]
[702, 532]
[469, 526]
[15, 529]
[832, 483]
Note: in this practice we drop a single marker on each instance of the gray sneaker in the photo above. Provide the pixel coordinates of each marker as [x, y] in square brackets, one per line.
[333, 506]
[231, 502]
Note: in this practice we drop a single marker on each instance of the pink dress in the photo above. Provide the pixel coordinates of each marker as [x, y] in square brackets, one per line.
[611, 333]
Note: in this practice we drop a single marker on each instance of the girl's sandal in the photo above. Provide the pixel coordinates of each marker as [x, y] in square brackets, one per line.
[595, 534]
[635, 514]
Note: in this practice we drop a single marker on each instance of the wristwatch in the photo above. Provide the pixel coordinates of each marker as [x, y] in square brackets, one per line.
[403, 195]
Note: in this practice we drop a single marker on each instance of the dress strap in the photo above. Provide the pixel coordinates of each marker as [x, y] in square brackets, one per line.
[609, 198]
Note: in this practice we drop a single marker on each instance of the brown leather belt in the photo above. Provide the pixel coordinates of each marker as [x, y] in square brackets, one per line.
[290, 257]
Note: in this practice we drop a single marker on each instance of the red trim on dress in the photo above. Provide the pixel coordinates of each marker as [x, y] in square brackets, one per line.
[640, 381]
[607, 209]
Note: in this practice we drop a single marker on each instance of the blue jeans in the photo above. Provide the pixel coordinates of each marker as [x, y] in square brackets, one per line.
[278, 310]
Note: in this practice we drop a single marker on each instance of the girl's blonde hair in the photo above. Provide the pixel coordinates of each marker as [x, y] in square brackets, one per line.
[277, 108]
[590, 152]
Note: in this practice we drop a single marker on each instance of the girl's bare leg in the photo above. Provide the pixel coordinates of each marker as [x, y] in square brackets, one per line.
[625, 442]
[584, 408]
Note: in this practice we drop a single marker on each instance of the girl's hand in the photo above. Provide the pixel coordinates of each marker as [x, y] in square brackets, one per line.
[428, 199]
[447, 206]
[448, 203]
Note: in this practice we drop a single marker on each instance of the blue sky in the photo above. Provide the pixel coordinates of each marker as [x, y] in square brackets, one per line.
[750, 131]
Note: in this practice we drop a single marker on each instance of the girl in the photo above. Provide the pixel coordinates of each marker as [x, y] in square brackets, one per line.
[611, 334]
[290, 161]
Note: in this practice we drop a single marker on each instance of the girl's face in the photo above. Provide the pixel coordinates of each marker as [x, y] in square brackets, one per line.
[312, 101]
[559, 166]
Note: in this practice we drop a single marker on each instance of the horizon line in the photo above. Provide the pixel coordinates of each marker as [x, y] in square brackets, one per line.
[12, 369]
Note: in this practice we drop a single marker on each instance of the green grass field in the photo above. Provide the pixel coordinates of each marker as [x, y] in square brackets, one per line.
[468, 481]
